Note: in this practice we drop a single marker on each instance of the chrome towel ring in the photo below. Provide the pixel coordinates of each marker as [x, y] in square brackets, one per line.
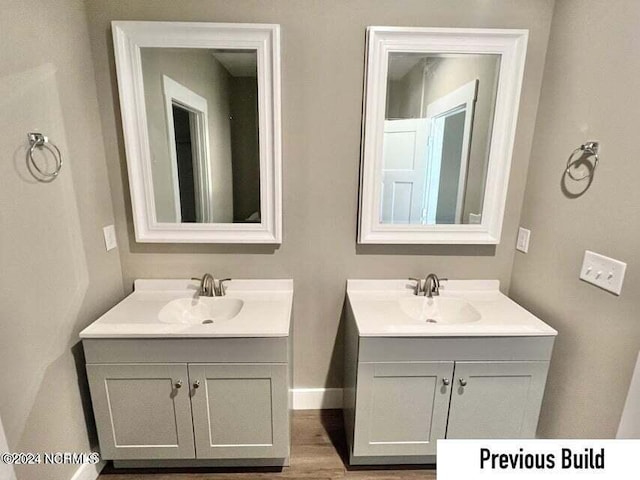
[585, 151]
[40, 141]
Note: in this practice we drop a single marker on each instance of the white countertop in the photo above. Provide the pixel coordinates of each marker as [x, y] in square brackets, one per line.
[375, 305]
[266, 311]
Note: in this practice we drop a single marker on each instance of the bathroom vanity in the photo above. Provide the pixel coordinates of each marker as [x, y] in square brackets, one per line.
[469, 363]
[182, 380]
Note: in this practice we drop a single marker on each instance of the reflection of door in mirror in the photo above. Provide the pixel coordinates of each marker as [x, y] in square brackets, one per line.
[202, 119]
[183, 121]
[436, 137]
[187, 116]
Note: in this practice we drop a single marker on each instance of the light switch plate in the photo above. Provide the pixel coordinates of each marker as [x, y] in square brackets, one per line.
[522, 243]
[604, 272]
[110, 241]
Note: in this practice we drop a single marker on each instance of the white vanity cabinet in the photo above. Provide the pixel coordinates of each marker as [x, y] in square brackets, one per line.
[213, 401]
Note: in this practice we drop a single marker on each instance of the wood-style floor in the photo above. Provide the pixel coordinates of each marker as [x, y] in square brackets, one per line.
[318, 451]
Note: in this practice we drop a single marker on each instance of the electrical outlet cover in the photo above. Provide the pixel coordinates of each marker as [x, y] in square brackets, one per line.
[522, 243]
[110, 241]
[604, 272]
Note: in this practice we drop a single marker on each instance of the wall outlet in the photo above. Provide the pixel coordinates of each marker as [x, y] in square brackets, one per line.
[604, 272]
[522, 243]
[110, 241]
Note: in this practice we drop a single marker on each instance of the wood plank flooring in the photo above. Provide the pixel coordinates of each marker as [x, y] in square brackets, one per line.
[318, 451]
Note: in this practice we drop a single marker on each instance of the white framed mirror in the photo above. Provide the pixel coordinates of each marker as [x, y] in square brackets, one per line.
[440, 113]
[200, 107]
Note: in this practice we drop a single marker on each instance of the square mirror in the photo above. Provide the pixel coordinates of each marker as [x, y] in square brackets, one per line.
[201, 119]
[440, 112]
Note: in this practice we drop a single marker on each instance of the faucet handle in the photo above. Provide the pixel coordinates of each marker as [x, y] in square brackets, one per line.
[418, 287]
[201, 286]
[221, 285]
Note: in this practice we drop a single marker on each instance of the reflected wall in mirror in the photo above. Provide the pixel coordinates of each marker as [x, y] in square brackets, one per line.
[202, 111]
[440, 114]
[201, 117]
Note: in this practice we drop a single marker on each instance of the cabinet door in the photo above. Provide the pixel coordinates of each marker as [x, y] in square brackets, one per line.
[496, 399]
[140, 414]
[240, 410]
[401, 408]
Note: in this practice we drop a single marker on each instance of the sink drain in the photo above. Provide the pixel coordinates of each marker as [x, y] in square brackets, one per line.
[205, 322]
[431, 320]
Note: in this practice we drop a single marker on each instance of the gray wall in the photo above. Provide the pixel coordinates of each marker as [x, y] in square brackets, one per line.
[589, 93]
[56, 275]
[322, 78]
[244, 147]
[404, 95]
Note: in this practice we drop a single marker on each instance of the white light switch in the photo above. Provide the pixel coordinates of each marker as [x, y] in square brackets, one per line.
[109, 237]
[603, 272]
[523, 240]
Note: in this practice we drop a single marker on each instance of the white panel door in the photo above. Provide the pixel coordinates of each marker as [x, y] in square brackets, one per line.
[404, 170]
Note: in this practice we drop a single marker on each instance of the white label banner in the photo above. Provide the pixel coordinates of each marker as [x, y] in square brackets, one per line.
[538, 459]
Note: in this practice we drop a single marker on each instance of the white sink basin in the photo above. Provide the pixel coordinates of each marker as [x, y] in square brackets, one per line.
[464, 308]
[172, 309]
[439, 310]
[200, 310]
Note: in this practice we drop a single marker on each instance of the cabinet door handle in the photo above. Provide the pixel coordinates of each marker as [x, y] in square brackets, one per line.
[463, 382]
[178, 384]
[196, 384]
[445, 381]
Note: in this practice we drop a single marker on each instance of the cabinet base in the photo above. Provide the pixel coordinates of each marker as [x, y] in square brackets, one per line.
[394, 460]
[195, 463]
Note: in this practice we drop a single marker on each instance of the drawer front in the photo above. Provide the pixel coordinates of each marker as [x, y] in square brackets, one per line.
[186, 350]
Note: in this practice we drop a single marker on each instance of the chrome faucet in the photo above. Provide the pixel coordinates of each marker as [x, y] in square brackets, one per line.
[431, 286]
[210, 287]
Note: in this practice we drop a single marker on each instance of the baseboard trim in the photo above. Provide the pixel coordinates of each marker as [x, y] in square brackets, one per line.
[88, 471]
[317, 398]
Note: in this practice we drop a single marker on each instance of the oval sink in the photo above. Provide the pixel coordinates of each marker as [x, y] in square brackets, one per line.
[439, 310]
[202, 310]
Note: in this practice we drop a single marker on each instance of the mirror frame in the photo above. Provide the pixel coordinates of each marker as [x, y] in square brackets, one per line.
[129, 37]
[381, 41]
